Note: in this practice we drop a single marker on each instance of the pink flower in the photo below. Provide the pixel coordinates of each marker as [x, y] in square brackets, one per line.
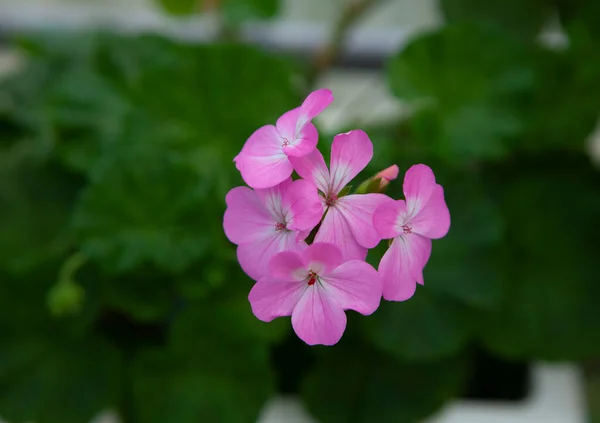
[387, 175]
[264, 222]
[264, 159]
[412, 224]
[315, 286]
[348, 221]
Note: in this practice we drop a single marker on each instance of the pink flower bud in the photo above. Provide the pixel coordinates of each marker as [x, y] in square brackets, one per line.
[387, 175]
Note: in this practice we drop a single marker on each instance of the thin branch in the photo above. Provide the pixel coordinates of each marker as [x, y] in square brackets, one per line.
[331, 52]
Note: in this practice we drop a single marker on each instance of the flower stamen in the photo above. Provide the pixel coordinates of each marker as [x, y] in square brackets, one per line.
[407, 228]
[279, 226]
[285, 142]
[312, 278]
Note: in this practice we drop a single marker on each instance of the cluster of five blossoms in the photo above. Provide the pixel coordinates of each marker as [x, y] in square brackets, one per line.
[305, 241]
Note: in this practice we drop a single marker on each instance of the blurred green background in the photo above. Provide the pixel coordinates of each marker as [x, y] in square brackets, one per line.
[119, 290]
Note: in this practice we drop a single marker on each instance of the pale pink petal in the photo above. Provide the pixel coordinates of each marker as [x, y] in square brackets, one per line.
[296, 140]
[387, 175]
[271, 298]
[272, 199]
[313, 105]
[312, 167]
[288, 266]
[317, 319]
[419, 183]
[245, 219]
[387, 219]
[322, 257]
[254, 258]
[433, 221]
[350, 154]
[358, 211]
[354, 285]
[303, 206]
[336, 230]
[305, 142]
[401, 267]
[264, 171]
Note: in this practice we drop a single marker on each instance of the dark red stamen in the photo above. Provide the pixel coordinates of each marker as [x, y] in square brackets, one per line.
[407, 228]
[279, 226]
[285, 142]
[312, 278]
[331, 199]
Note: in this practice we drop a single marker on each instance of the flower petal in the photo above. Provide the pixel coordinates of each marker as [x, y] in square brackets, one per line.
[358, 211]
[297, 140]
[262, 161]
[272, 200]
[433, 221]
[336, 230]
[322, 257]
[317, 319]
[303, 206]
[312, 167]
[354, 285]
[350, 154]
[245, 220]
[401, 267]
[419, 182]
[254, 258]
[271, 298]
[387, 219]
[313, 105]
[288, 266]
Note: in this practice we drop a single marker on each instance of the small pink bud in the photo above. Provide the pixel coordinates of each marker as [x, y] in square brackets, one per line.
[387, 175]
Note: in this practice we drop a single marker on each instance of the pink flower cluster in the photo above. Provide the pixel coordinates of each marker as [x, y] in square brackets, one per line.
[270, 222]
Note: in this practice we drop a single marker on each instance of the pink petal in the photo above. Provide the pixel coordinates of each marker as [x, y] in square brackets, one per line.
[303, 206]
[322, 257]
[271, 298]
[254, 258]
[433, 221]
[401, 267]
[298, 140]
[419, 182]
[354, 285]
[262, 161]
[288, 266]
[317, 319]
[358, 211]
[272, 199]
[314, 104]
[245, 219]
[350, 154]
[312, 167]
[336, 230]
[387, 219]
[387, 175]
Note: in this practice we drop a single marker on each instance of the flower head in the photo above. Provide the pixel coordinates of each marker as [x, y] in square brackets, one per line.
[412, 224]
[315, 286]
[264, 222]
[264, 159]
[348, 219]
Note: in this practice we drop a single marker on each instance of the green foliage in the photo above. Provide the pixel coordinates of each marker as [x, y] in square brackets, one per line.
[354, 383]
[233, 11]
[119, 289]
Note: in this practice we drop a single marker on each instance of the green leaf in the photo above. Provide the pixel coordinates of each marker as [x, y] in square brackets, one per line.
[49, 380]
[214, 385]
[426, 327]
[359, 384]
[549, 311]
[237, 11]
[35, 207]
[465, 83]
[518, 17]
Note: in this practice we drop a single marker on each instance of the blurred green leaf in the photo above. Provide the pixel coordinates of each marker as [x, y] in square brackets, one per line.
[463, 82]
[359, 384]
[49, 380]
[426, 327]
[552, 203]
[35, 207]
[518, 17]
[237, 11]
